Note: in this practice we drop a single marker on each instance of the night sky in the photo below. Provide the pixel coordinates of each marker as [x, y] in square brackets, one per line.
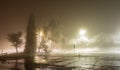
[95, 16]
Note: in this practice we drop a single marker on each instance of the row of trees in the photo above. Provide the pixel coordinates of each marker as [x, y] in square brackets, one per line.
[51, 32]
[15, 39]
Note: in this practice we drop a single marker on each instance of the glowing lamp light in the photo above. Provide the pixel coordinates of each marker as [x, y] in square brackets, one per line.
[82, 32]
[41, 33]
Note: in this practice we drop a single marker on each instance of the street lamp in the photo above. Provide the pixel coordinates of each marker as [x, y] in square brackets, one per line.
[83, 36]
[82, 32]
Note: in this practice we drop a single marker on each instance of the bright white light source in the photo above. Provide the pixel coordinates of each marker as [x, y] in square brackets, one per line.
[82, 32]
[41, 33]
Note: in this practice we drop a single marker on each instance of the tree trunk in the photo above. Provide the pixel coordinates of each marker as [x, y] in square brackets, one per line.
[16, 65]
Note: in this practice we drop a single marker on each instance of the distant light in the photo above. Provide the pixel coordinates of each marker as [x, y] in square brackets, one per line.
[41, 33]
[82, 32]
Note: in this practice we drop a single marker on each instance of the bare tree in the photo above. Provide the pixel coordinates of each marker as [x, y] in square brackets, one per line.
[15, 39]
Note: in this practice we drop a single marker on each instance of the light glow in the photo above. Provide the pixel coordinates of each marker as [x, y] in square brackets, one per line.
[84, 39]
[82, 32]
[41, 33]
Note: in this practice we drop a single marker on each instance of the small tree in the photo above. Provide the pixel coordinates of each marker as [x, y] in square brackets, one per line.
[15, 39]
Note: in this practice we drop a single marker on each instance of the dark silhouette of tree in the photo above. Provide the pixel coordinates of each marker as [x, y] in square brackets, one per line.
[15, 39]
[51, 32]
[43, 42]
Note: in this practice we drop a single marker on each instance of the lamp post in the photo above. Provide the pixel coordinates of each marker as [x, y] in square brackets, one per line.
[74, 54]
